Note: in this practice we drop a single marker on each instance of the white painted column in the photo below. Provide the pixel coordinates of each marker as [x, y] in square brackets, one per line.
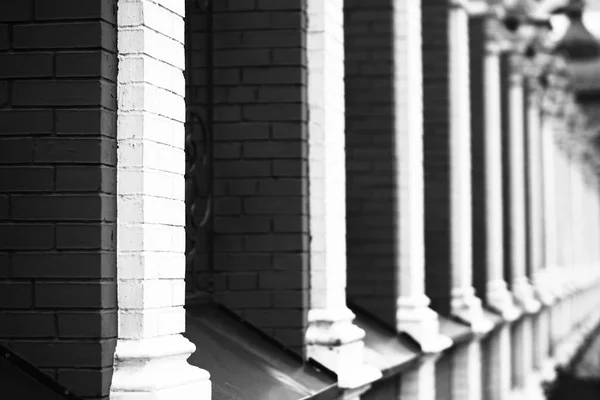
[550, 209]
[466, 359]
[522, 289]
[418, 383]
[540, 322]
[413, 313]
[332, 339]
[536, 199]
[151, 353]
[498, 379]
[498, 296]
[464, 304]
[466, 372]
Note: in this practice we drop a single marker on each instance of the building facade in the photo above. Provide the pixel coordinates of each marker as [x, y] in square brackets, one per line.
[297, 199]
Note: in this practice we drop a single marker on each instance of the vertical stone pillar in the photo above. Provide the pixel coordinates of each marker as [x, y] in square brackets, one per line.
[413, 314]
[151, 353]
[550, 222]
[536, 224]
[521, 287]
[466, 371]
[463, 303]
[332, 339]
[536, 194]
[497, 294]
[498, 379]
[419, 383]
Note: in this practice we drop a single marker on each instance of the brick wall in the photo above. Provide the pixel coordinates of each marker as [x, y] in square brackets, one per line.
[370, 158]
[57, 187]
[436, 117]
[260, 240]
[478, 97]
[506, 192]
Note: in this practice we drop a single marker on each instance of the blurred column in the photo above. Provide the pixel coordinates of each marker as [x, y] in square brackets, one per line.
[521, 287]
[498, 296]
[331, 338]
[464, 304]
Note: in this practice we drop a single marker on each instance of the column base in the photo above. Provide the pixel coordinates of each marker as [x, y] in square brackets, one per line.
[556, 283]
[543, 289]
[500, 300]
[415, 318]
[334, 341]
[466, 307]
[525, 296]
[157, 369]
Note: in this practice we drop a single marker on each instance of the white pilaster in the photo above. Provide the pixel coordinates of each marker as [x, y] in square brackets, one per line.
[418, 383]
[332, 339]
[413, 313]
[521, 287]
[498, 379]
[498, 296]
[550, 209]
[466, 372]
[464, 304]
[151, 353]
[522, 350]
[536, 199]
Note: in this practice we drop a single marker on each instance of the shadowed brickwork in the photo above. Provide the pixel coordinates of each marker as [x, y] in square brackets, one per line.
[370, 162]
[260, 237]
[506, 192]
[478, 142]
[436, 115]
[57, 187]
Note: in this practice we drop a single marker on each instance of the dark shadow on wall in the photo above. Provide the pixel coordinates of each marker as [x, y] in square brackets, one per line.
[370, 157]
[478, 143]
[246, 87]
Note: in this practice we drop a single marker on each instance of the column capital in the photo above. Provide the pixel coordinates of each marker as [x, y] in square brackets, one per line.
[517, 65]
[496, 41]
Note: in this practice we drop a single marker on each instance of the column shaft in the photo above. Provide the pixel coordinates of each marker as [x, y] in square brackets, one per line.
[464, 304]
[521, 287]
[536, 196]
[498, 296]
[498, 380]
[413, 314]
[332, 339]
[151, 353]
